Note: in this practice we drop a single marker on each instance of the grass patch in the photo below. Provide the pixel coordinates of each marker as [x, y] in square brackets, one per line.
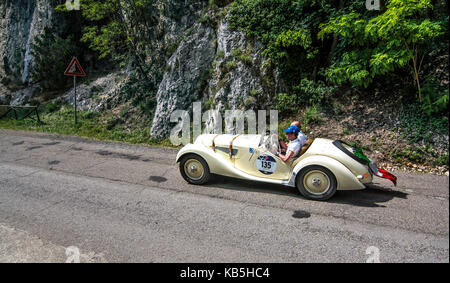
[409, 154]
[90, 125]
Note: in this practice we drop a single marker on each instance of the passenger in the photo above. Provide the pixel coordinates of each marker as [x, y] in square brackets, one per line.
[301, 136]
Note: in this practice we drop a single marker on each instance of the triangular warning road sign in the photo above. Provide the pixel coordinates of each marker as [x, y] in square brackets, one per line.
[75, 69]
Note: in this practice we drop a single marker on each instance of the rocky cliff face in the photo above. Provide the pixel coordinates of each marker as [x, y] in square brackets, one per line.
[20, 22]
[206, 62]
[182, 82]
[217, 66]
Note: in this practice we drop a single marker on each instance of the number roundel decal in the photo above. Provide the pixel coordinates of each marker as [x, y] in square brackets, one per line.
[266, 164]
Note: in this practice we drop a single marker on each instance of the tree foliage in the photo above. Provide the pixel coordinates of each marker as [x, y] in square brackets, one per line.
[120, 29]
[51, 55]
[287, 28]
[382, 44]
[342, 42]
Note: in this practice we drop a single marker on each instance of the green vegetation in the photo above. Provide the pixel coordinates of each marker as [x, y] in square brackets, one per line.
[312, 115]
[418, 127]
[287, 103]
[120, 29]
[327, 54]
[283, 26]
[341, 42]
[311, 93]
[307, 93]
[51, 54]
[59, 120]
[220, 54]
[253, 93]
[435, 98]
[231, 65]
[141, 94]
[442, 160]
[394, 39]
[408, 155]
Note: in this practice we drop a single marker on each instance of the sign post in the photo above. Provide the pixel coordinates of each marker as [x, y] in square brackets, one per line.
[75, 70]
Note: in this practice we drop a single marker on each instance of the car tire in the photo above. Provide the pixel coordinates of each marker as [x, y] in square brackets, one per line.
[316, 182]
[194, 169]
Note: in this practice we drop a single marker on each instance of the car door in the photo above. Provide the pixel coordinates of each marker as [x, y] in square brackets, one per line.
[261, 163]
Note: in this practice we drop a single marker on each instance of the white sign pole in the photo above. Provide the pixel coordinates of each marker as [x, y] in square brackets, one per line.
[80, 72]
[75, 97]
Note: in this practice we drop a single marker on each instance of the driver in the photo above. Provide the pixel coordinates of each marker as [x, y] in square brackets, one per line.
[301, 136]
[294, 145]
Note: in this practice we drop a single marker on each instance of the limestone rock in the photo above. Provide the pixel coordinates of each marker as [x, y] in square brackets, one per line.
[99, 95]
[182, 82]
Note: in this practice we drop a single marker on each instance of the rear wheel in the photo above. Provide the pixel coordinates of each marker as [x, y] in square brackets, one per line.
[194, 169]
[316, 182]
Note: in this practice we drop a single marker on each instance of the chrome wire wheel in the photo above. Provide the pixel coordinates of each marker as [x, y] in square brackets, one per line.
[194, 169]
[316, 182]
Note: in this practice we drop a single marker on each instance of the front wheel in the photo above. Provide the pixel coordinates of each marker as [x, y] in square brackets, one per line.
[194, 169]
[316, 182]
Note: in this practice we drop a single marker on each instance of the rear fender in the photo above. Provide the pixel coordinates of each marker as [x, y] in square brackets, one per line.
[344, 177]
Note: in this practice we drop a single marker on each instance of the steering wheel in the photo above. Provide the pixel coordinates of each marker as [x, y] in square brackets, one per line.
[274, 144]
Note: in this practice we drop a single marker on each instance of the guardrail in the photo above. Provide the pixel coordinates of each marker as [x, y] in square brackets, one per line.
[28, 114]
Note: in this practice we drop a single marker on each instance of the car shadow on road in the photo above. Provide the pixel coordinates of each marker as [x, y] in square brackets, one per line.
[234, 184]
[372, 196]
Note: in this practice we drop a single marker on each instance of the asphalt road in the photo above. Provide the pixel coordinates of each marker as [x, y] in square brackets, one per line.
[112, 202]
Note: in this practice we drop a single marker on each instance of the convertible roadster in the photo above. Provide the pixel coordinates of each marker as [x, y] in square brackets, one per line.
[322, 166]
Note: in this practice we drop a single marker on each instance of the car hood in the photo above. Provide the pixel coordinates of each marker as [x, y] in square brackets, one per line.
[225, 139]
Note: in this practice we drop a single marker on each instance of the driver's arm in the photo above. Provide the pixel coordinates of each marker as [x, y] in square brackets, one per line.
[286, 157]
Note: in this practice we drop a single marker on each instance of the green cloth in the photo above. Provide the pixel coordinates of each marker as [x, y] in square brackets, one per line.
[358, 152]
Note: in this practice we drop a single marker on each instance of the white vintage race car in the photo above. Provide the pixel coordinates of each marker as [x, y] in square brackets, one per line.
[322, 166]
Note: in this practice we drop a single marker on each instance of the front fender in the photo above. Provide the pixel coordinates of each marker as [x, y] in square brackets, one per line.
[189, 148]
[344, 177]
[217, 163]
[206, 153]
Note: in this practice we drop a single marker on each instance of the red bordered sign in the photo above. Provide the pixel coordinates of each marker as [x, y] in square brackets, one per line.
[75, 69]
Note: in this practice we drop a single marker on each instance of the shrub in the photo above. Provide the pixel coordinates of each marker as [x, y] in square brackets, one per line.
[253, 93]
[245, 58]
[442, 160]
[231, 65]
[313, 93]
[435, 99]
[307, 93]
[312, 115]
[287, 103]
[141, 93]
[51, 107]
[394, 39]
[236, 52]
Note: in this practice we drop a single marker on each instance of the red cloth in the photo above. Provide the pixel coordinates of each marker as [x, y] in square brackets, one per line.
[385, 174]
